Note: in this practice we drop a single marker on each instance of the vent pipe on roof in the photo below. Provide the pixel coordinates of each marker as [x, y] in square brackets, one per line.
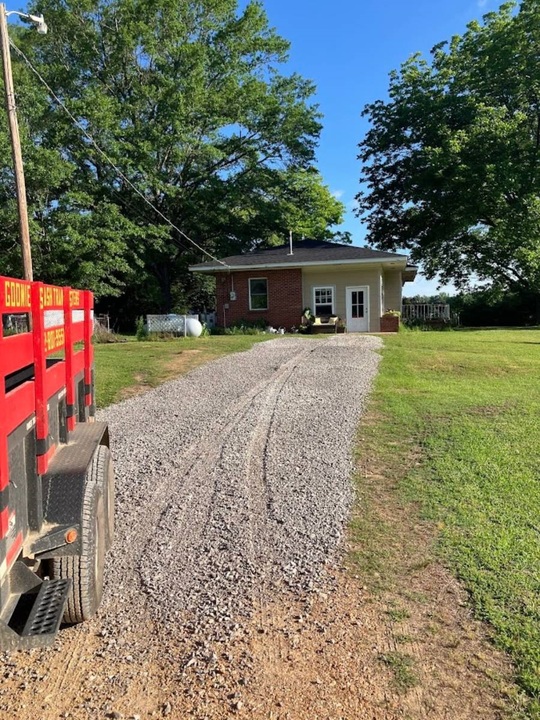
[290, 243]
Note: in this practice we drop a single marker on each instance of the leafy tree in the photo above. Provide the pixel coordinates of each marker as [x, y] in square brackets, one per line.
[76, 238]
[186, 98]
[452, 158]
[439, 299]
[493, 307]
[308, 208]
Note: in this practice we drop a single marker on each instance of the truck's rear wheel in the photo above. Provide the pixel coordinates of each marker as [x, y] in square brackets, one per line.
[102, 473]
[86, 569]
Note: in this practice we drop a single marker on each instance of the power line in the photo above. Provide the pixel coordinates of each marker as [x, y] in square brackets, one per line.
[107, 158]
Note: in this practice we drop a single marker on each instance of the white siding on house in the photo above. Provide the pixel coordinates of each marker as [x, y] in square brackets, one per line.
[392, 290]
[385, 284]
[341, 277]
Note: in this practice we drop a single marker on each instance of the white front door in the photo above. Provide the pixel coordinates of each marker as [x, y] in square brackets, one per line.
[357, 309]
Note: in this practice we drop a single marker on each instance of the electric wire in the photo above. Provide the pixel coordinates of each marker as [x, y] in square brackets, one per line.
[108, 159]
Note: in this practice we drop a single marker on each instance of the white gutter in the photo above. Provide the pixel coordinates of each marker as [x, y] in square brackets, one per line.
[401, 261]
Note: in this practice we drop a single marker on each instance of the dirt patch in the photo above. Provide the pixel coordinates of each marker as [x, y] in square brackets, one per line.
[341, 654]
[139, 386]
[345, 653]
[181, 363]
[491, 410]
[89, 674]
[184, 361]
[357, 655]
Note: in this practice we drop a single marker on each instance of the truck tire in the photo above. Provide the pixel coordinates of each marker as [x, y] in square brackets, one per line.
[102, 473]
[86, 569]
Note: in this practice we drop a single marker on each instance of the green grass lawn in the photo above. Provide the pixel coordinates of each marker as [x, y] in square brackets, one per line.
[460, 411]
[123, 369]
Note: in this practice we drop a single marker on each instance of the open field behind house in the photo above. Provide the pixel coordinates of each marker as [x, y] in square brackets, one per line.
[453, 437]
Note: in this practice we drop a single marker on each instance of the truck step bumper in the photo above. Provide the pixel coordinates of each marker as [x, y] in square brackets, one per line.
[43, 611]
[47, 611]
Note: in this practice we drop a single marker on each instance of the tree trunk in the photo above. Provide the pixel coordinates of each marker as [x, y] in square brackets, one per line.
[537, 308]
[163, 275]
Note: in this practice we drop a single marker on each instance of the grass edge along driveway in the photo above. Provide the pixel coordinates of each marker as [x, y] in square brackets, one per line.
[460, 412]
[127, 368]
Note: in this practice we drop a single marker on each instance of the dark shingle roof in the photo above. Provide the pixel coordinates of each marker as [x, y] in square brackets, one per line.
[304, 252]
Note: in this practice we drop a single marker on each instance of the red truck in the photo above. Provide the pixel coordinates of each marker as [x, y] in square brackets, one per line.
[56, 472]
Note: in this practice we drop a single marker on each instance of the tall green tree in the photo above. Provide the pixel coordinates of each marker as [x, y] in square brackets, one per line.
[307, 207]
[187, 99]
[451, 163]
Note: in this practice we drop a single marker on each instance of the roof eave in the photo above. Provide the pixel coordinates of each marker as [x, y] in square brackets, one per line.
[409, 274]
[400, 260]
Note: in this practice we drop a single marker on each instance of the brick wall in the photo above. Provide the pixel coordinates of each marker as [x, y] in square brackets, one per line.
[284, 297]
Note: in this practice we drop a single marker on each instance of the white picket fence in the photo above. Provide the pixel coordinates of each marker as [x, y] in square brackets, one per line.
[425, 311]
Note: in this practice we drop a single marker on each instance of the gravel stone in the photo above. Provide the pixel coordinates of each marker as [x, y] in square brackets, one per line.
[233, 482]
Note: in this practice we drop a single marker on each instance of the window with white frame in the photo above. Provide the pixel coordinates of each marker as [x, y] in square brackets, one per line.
[323, 300]
[258, 294]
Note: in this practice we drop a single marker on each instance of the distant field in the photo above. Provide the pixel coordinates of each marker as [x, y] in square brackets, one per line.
[125, 369]
[457, 418]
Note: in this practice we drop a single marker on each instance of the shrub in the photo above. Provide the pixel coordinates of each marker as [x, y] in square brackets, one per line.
[424, 324]
[102, 336]
[141, 331]
[247, 327]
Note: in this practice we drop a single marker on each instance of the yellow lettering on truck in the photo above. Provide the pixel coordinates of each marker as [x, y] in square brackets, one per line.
[16, 295]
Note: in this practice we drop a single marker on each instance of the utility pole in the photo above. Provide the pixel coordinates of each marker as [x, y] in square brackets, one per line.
[11, 110]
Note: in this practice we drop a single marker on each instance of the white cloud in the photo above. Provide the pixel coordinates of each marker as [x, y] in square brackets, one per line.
[338, 194]
[482, 3]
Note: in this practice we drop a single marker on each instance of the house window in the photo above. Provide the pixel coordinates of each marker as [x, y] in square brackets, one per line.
[323, 300]
[258, 294]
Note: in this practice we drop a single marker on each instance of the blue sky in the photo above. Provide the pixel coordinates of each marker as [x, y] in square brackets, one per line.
[348, 48]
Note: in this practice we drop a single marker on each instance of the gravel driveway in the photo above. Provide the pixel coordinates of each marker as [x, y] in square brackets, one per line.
[235, 479]
[234, 484]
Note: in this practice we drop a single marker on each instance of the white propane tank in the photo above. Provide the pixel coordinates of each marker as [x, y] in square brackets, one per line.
[193, 327]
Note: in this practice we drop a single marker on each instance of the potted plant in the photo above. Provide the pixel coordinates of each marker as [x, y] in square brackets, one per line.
[307, 320]
[390, 321]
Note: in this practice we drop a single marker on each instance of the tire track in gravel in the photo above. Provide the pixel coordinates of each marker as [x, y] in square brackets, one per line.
[188, 515]
[256, 480]
[239, 529]
[188, 465]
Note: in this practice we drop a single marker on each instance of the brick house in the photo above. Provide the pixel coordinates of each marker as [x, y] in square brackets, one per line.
[356, 284]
